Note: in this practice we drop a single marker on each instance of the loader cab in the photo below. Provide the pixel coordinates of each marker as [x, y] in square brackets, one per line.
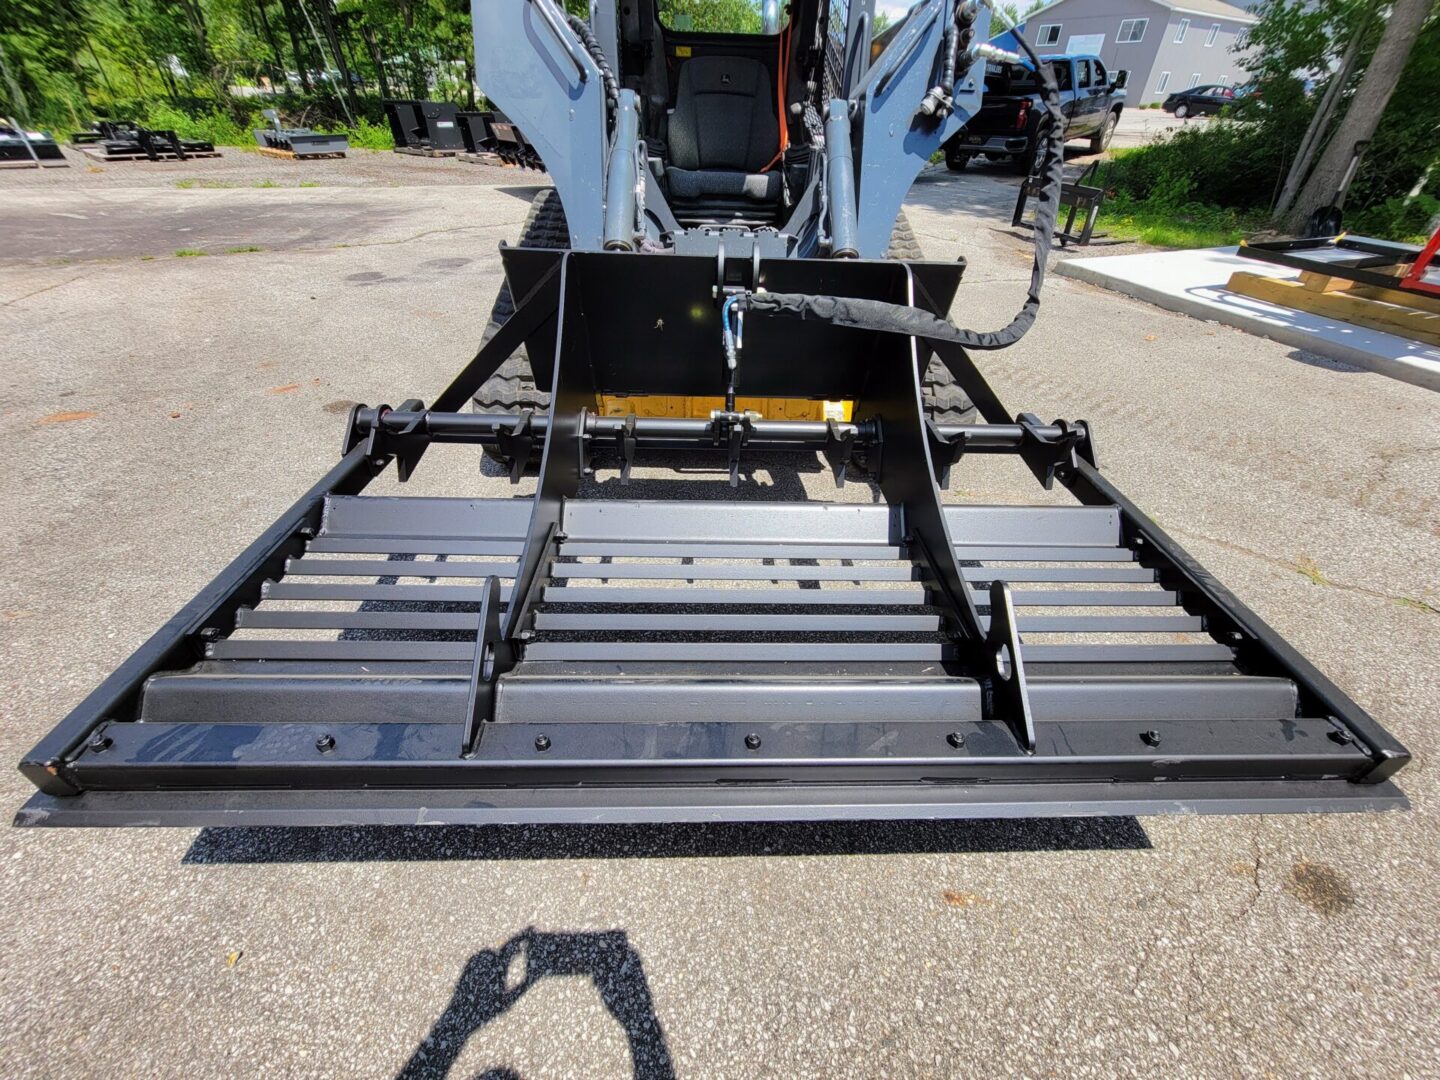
[721, 104]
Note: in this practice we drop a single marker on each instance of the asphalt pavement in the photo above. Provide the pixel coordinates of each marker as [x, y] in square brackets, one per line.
[160, 412]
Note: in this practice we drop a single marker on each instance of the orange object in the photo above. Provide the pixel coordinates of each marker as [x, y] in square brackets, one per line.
[784, 70]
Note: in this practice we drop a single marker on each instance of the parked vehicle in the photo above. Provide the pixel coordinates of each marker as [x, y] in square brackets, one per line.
[1202, 100]
[1008, 124]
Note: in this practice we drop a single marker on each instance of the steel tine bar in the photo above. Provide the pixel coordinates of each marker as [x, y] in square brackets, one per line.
[1011, 691]
[493, 657]
[572, 396]
[535, 309]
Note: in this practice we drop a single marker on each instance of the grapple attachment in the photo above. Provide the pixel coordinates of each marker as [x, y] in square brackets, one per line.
[566, 658]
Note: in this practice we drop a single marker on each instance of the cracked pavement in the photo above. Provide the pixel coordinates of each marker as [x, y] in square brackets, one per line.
[159, 413]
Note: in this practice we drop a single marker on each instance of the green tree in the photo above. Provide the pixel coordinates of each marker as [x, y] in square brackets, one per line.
[713, 16]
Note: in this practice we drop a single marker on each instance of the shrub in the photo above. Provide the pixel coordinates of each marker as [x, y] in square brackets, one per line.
[217, 127]
[370, 136]
[1397, 219]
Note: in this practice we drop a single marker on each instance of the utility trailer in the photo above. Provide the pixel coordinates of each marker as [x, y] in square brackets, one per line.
[124, 140]
[425, 128]
[380, 659]
[300, 142]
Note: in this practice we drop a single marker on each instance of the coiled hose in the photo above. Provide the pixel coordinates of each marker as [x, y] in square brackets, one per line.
[900, 319]
[592, 46]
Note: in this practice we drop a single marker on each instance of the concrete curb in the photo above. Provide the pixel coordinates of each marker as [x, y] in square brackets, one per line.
[1192, 283]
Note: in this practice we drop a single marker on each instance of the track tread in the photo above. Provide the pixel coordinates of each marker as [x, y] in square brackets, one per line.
[513, 387]
[944, 401]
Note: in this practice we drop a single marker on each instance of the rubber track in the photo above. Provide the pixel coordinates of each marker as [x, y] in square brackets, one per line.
[513, 386]
[944, 401]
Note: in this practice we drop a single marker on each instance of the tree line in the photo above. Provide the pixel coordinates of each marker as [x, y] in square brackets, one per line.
[64, 62]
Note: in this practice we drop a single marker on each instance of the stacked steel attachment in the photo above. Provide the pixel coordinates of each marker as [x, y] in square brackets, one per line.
[24, 149]
[491, 133]
[299, 142]
[425, 128]
[124, 140]
[379, 659]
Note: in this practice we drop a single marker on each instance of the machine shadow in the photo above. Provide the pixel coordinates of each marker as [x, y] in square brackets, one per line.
[494, 980]
[411, 843]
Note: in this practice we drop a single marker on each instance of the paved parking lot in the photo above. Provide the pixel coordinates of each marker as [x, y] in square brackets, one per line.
[159, 412]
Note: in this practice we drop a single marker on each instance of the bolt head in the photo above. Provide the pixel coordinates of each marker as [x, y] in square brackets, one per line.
[1150, 738]
[956, 739]
[325, 743]
[542, 743]
[100, 742]
[752, 741]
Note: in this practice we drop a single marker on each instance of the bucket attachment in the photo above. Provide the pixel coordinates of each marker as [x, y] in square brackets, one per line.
[564, 658]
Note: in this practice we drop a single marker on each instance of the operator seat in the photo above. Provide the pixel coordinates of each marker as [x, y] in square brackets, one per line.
[722, 133]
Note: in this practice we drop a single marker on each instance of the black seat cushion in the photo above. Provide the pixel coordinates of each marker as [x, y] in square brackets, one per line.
[723, 183]
[724, 116]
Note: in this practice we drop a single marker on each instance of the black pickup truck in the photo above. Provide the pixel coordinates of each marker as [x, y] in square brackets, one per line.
[1007, 125]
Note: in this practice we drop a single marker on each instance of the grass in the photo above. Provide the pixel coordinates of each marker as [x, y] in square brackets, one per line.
[1193, 225]
[309, 183]
[190, 253]
[197, 182]
[243, 250]
[1311, 569]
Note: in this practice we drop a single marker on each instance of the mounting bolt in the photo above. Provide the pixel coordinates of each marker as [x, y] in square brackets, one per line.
[100, 742]
[956, 739]
[1150, 738]
[542, 743]
[1344, 738]
[752, 741]
[325, 743]
[210, 633]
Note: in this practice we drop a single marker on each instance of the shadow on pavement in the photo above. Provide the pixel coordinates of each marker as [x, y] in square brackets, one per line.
[495, 979]
[674, 841]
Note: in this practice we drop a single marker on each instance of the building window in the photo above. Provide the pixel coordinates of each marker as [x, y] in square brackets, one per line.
[1242, 39]
[1180, 30]
[1163, 83]
[1132, 31]
[1048, 34]
[1224, 80]
[1194, 81]
[1214, 33]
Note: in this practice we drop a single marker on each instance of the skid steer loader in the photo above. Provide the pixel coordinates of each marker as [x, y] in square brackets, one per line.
[710, 274]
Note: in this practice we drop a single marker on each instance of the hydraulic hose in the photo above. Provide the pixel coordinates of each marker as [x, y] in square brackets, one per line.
[592, 46]
[900, 319]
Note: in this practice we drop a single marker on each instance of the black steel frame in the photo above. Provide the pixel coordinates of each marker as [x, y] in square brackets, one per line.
[1010, 758]
[1363, 265]
[1083, 196]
